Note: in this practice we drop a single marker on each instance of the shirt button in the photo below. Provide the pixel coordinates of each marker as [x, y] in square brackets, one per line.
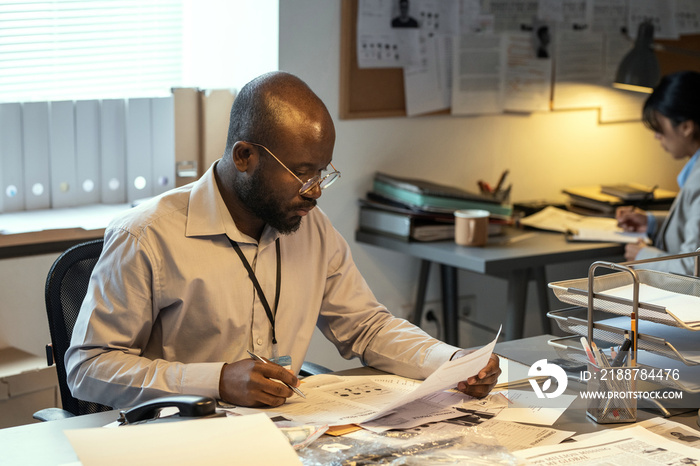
[259, 342]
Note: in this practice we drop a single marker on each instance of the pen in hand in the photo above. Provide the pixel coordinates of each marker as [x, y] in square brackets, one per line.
[295, 389]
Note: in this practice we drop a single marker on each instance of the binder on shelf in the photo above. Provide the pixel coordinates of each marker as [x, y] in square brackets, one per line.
[35, 140]
[162, 144]
[428, 188]
[188, 166]
[406, 227]
[87, 151]
[11, 167]
[112, 151]
[139, 172]
[63, 165]
[215, 108]
[429, 196]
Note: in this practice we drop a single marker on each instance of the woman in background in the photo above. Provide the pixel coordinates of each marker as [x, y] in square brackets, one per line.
[672, 111]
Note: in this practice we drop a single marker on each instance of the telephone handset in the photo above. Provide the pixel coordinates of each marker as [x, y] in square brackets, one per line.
[191, 406]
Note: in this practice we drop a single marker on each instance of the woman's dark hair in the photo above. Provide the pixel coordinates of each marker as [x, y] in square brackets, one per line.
[677, 97]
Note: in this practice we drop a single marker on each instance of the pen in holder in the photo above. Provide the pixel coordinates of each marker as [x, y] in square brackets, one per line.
[611, 392]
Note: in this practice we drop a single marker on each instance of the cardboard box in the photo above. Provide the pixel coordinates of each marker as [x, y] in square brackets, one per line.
[27, 385]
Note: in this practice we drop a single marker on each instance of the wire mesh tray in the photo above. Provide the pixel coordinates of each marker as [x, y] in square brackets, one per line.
[612, 331]
[570, 348]
[576, 292]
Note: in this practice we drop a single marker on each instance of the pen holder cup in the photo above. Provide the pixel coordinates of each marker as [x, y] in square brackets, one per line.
[611, 394]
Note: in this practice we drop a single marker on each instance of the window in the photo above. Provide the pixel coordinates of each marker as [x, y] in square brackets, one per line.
[77, 49]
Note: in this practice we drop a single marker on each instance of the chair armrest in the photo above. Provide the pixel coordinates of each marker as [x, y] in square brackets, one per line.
[52, 414]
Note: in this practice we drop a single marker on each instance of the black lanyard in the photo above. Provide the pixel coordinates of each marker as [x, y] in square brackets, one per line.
[253, 278]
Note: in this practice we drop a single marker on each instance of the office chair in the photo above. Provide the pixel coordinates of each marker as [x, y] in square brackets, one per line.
[66, 286]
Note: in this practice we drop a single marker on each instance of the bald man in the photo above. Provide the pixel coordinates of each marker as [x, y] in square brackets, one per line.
[240, 261]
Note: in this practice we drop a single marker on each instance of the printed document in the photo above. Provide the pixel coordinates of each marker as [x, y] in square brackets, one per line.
[383, 402]
[632, 446]
[581, 227]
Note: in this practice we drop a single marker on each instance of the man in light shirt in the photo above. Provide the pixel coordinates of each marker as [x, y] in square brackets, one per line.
[240, 261]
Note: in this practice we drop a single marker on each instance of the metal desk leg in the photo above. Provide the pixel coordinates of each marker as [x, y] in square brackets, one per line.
[517, 297]
[542, 298]
[450, 316]
[420, 294]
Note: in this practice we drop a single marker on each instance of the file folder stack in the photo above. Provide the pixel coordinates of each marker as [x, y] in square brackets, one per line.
[421, 210]
[69, 153]
[604, 200]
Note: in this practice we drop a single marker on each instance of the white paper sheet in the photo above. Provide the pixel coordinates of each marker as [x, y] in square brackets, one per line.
[478, 73]
[684, 307]
[583, 227]
[632, 446]
[339, 400]
[526, 407]
[528, 78]
[447, 376]
[241, 440]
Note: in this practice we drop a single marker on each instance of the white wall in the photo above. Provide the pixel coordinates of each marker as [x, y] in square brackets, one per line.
[544, 152]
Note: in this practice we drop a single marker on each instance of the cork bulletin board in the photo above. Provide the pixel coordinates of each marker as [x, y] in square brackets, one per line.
[379, 92]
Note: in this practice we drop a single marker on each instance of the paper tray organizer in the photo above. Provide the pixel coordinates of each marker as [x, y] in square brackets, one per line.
[588, 294]
[575, 321]
[576, 292]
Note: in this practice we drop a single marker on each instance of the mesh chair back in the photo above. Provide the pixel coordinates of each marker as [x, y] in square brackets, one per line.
[66, 286]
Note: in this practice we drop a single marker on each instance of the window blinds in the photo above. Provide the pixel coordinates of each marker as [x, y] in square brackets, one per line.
[76, 49]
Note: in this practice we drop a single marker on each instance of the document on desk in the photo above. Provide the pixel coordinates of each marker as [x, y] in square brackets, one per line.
[525, 406]
[635, 445]
[245, 440]
[670, 430]
[581, 227]
[383, 402]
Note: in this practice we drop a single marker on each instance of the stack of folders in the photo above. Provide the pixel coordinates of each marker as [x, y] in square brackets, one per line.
[417, 210]
[604, 200]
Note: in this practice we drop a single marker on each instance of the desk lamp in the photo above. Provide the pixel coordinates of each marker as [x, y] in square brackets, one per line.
[639, 70]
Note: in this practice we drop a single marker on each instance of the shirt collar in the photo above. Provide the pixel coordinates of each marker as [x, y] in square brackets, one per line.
[685, 172]
[207, 214]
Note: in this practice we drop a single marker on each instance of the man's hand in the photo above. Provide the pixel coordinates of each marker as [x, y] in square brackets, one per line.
[480, 385]
[248, 383]
[631, 218]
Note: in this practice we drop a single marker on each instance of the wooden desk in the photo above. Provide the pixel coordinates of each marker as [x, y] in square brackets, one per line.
[513, 257]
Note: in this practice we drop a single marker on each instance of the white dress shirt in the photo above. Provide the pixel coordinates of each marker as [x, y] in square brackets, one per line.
[170, 302]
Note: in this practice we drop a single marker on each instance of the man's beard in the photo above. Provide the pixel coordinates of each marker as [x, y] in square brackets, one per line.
[257, 197]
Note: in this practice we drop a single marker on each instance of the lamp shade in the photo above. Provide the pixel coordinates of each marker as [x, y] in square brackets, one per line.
[639, 69]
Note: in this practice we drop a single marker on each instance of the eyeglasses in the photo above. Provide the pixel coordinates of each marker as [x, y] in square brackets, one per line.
[323, 181]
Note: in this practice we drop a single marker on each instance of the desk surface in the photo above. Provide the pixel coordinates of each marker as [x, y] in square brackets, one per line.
[44, 242]
[45, 444]
[45, 231]
[502, 254]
